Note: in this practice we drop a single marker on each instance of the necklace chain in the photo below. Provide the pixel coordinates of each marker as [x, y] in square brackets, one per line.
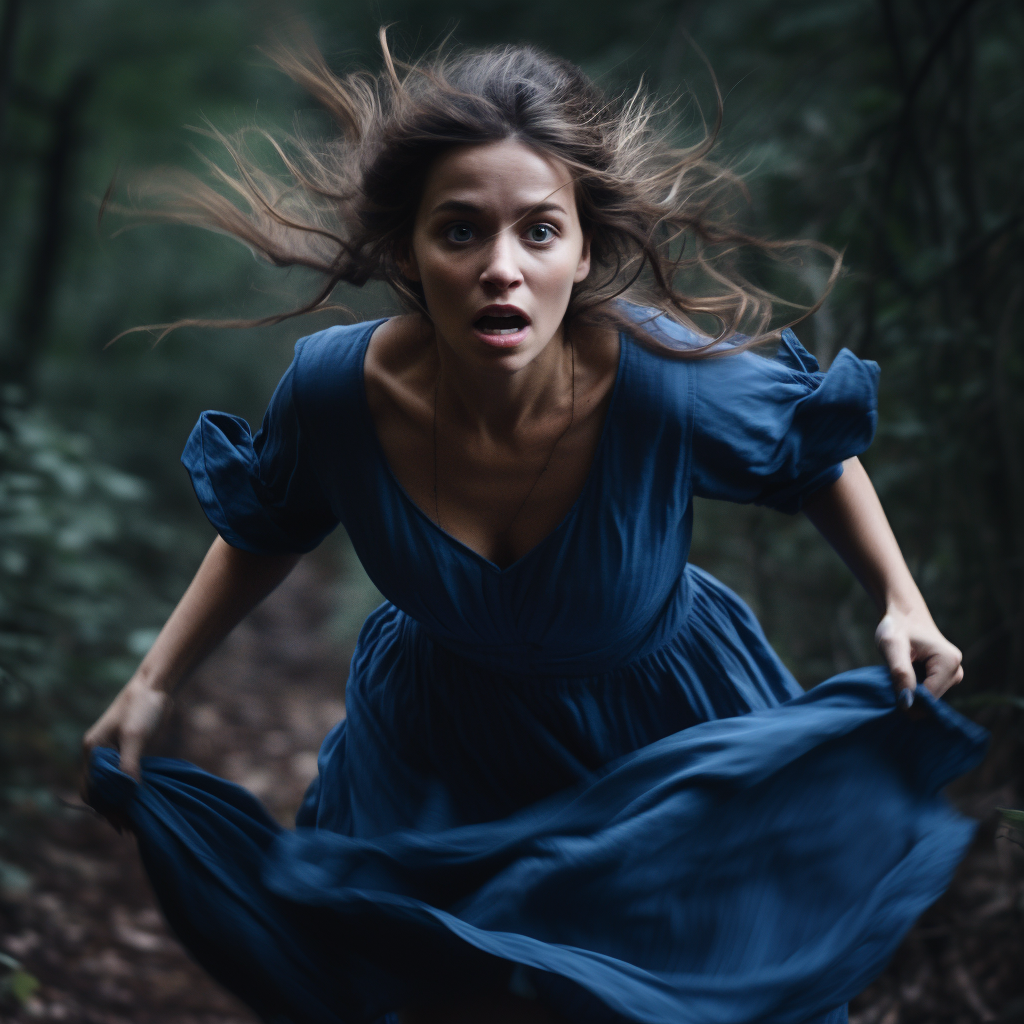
[547, 462]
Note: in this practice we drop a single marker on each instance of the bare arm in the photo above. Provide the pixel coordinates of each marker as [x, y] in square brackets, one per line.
[228, 585]
[850, 517]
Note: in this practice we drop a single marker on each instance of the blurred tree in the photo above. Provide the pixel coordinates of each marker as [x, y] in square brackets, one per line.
[894, 130]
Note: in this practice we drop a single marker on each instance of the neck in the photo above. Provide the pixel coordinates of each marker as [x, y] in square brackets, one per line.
[498, 402]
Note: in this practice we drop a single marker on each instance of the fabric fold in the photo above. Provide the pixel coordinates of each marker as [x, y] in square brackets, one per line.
[261, 494]
[773, 431]
[758, 868]
[222, 465]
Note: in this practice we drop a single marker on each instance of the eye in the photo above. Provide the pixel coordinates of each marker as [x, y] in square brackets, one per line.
[458, 233]
[540, 233]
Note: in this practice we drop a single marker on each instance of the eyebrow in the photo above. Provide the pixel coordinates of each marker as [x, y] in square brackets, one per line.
[464, 206]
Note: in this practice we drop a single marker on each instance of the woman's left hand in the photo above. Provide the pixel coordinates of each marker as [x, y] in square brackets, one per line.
[850, 517]
[906, 638]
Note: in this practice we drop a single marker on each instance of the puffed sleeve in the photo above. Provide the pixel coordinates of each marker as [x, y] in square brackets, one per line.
[773, 431]
[261, 493]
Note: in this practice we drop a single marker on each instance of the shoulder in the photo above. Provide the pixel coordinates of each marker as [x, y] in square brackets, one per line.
[786, 355]
[400, 368]
[718, 387]
[664, 329]
[328, 364]
[401, 358]
[659, 386]
[784, 362]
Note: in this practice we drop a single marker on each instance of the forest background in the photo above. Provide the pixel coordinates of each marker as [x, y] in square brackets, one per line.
[891, 129]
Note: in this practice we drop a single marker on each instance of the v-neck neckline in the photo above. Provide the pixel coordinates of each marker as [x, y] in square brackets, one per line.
[449, 538]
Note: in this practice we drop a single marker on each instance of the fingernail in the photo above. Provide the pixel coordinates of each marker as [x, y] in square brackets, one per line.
[905, 699]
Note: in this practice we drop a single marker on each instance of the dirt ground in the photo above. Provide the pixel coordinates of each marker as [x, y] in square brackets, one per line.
[89, 931]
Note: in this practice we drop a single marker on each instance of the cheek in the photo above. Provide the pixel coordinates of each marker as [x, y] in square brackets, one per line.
[444, 260]
[559, 278]
[441, 273]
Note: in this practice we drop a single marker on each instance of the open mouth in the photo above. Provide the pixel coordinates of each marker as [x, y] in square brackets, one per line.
[500, 324]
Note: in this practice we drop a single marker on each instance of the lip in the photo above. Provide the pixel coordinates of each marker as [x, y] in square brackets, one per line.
[502, 340]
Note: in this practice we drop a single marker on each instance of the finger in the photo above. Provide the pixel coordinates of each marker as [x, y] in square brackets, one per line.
[895, 649]
[942, 672]
[92, 739]
[131, 752]
[99, 734]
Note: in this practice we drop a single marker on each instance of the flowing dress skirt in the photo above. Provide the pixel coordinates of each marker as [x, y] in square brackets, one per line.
[644, 849]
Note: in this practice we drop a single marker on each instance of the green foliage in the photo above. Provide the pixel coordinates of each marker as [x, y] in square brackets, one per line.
[79, 549]
[16, 984]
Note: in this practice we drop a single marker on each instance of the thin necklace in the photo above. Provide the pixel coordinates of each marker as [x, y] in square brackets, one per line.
[547, 462]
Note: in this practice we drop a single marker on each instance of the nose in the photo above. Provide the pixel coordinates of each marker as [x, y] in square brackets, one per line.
[501, 271]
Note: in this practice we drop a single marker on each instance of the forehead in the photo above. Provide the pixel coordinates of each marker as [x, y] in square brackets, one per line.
[497, 175]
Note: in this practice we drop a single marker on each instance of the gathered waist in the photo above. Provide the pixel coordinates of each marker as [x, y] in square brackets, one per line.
[698, 603]
[710, 662]
[534, 659]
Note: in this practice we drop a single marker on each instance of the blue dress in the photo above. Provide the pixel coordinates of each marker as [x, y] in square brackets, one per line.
[585, 776]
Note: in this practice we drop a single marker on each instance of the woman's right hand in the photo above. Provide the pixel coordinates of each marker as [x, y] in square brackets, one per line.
[227, 586]
[127, 725]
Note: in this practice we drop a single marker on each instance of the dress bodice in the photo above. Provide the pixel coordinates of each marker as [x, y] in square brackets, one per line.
[607, 584]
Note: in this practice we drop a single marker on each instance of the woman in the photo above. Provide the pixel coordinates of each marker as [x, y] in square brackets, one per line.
[574, 782]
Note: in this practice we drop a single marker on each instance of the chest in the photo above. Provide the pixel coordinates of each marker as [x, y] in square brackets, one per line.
[497, 489]
[498, 495]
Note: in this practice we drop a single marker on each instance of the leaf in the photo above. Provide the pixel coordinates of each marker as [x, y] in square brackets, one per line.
[19, 984]
[22, 986]
[1012, 817]
[13, 879]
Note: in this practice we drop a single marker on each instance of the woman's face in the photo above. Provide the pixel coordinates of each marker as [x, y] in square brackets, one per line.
[497, 246]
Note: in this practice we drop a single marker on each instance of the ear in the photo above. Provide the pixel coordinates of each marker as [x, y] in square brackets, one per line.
[405, 258]
[583, 267]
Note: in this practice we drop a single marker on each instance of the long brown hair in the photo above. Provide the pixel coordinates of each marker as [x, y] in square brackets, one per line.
[660, 217]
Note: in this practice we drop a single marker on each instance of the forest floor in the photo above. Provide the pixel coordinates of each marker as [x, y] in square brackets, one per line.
[88, 928]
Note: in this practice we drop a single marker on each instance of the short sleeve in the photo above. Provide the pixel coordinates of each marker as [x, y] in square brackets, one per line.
[773, 431]
[261, 493]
